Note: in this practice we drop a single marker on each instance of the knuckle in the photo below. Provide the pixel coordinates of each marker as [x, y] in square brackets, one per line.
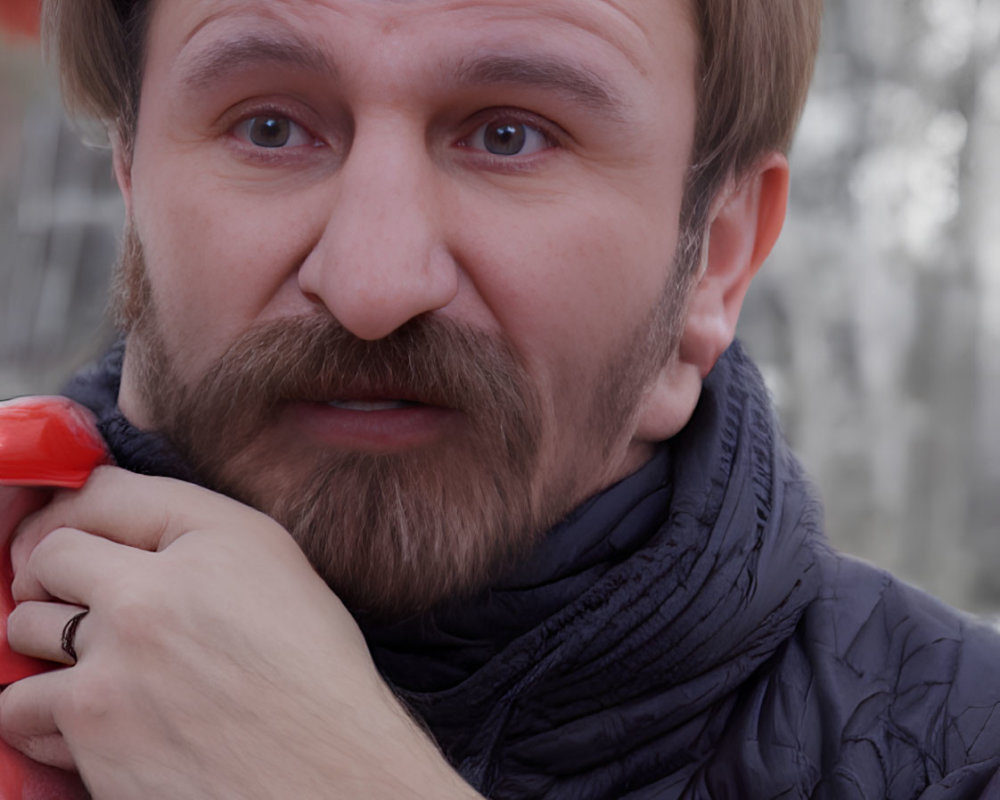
[138, 615]
[51, 543]
[89, 699]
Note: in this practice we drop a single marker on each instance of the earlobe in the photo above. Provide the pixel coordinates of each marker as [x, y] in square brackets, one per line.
[743, 226]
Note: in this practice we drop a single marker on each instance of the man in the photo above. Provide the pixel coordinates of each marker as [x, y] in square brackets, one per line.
[429, 306]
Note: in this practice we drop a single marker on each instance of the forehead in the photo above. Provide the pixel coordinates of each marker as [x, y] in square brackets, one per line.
[656, 39]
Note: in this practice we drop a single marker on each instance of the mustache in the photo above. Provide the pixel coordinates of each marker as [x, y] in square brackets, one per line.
[315, 359]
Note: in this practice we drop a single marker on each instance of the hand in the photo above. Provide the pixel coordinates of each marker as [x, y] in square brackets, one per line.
[213, 662]
[21, 778]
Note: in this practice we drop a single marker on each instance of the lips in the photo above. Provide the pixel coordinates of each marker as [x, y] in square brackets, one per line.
[374, 395]
[372, 423]
[372, 405]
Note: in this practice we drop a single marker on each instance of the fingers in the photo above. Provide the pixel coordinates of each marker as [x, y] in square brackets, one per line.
[113, 504]
[142, 512]
[71, 565]
[28, 722]
[50, 631]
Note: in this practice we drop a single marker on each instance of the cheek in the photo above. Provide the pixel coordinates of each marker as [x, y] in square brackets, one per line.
[568, 282]
[218, 259]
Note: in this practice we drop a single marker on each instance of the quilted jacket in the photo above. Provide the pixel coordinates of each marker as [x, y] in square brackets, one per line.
[688, 633]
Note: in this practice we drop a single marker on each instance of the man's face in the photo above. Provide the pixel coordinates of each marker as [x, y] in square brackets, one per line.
[401, 272]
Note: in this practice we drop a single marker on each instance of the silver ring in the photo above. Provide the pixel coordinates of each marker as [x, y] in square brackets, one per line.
[69, 634]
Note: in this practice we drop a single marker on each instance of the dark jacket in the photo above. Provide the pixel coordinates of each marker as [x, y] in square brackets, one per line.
[689, 634]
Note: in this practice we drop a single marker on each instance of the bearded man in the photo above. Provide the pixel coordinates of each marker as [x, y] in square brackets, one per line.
[439, 474]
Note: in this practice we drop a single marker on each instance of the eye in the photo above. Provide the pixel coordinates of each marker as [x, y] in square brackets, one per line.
[509, 137]
[272, 131]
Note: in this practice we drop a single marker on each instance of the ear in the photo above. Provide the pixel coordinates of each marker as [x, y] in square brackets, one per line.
[744, 223]
[121, 161]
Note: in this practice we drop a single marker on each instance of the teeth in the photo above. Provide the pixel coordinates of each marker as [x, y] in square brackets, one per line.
[375, 405]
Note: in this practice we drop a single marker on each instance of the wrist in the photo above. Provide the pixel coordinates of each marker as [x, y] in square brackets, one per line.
[419, 767]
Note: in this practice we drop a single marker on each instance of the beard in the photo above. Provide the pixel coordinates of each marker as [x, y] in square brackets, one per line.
[392, 533]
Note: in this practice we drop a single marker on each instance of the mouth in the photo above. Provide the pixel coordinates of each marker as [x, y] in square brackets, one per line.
[373, 405]
[373, 422]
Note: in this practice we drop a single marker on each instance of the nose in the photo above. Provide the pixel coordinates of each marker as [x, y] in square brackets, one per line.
[381, 258]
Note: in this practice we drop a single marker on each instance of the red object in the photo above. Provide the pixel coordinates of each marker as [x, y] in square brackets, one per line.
[44, 442]
[20, 17]
[48, 441]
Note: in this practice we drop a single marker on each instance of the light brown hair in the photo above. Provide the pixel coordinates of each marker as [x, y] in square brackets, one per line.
[756, 65]
[757, 60]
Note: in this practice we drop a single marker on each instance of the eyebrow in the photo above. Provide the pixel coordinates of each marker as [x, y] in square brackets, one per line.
[255, 50]
[578, 83]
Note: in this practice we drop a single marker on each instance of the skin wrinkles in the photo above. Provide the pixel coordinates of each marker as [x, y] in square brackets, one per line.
[237, 8]
[280, 44]
[286, 48]
[258, 50]
[580, 84]
[616, 15]
[611, 22]
[255, 50]
[287, 40]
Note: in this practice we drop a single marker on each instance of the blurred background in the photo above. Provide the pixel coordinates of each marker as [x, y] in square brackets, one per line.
[876, 322]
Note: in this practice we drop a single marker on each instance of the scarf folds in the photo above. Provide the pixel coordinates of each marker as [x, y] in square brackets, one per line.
[611, 663]
[615, 657]
[686, 634]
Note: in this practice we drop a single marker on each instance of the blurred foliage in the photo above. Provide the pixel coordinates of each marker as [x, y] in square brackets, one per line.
[876, 320]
